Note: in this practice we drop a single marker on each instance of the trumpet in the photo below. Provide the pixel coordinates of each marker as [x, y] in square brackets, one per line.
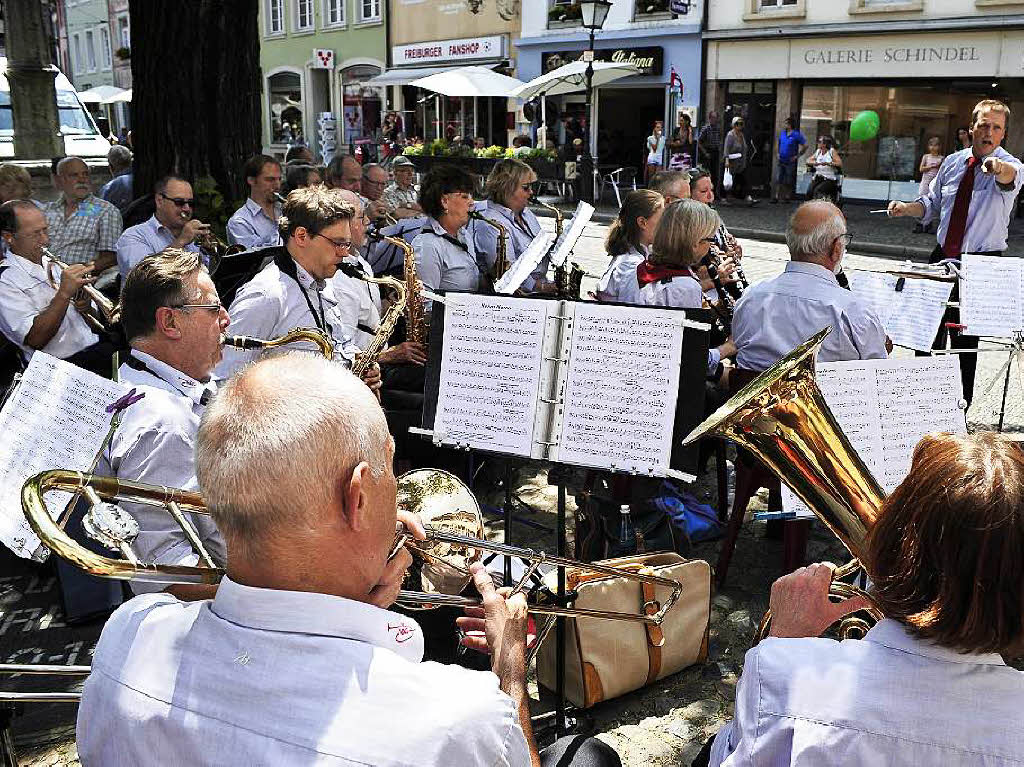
[107, 309]
[214, 247]
[312, 335]
[444, 503]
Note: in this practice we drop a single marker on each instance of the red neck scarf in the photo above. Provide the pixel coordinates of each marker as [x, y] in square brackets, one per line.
[646, 272]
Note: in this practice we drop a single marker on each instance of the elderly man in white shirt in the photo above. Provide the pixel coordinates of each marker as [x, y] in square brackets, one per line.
[299, 624]
[775, 316]
[254, 225]
[170, 226]
[296, 289]
[173, 319]
[928, 684]
[34, 315]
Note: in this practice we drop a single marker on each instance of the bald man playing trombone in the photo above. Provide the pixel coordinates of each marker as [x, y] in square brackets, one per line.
[297, 660]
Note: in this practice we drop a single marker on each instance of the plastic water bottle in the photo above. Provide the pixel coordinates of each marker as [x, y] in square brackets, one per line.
[627, 536]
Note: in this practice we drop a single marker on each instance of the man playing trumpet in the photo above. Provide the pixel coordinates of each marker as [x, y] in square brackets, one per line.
[295, 461]
[36, 314]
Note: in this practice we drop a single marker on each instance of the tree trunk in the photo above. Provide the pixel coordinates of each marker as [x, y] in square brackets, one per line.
[196, 95]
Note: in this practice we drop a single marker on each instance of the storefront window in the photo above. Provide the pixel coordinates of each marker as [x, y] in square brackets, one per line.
[908, 116]
[285, 90]
[362, 105]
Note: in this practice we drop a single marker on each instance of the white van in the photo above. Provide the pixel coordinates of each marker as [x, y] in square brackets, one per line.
[81, 136]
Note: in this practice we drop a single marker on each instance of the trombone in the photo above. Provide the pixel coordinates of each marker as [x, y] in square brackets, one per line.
[447, 507]
[106, 309]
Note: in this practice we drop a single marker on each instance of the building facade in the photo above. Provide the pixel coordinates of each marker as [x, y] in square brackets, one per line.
[89, 43]
[920, 65]
[315, 56]
[121, 34]
[658, 36]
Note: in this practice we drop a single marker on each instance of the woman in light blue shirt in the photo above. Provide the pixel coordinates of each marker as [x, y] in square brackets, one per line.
[446, 257]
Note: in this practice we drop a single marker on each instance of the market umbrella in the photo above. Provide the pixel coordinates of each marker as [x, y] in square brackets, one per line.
[101, 94]
[469, 81]
[123, 96]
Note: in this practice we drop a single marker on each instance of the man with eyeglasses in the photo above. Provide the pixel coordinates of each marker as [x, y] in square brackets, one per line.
[375, 180]
[295, 289]
[775, 316]
[83, 228]
[171, 226]
[254, 225]
[35, 315]
[173, 320]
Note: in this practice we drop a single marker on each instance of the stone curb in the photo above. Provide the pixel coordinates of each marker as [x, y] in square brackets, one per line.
[858, 247]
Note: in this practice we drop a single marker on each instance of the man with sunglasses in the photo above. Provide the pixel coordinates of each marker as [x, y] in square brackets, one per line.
[295, 289]
[775, 316]
[171, 226]
[173, 320]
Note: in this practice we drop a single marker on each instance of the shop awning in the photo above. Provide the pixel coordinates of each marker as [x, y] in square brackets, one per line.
[403, 76]
[469, 82]
[101, 94]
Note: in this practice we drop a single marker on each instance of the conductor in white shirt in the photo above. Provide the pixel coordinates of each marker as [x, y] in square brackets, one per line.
[296, 660]
[173, 319]
[775, 316]
[928, 684]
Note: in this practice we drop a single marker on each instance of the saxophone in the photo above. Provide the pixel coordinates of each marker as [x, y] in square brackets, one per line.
[368, 357]
[568, 278]
[416, 327]
[312, 335]
[501, 262]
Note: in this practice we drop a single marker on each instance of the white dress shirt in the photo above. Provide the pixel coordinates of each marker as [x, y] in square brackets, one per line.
[988, 216]
[264, 677]
[24, 293]
[155, 444]
[143, 240]
[888, 699]
[618, 283]
[522, 230]
[351, 290]
[775, 316]
[272, 303]
[251, 227]
[441, 264]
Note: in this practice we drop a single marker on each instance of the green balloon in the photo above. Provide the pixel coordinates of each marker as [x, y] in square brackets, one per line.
[864, 126]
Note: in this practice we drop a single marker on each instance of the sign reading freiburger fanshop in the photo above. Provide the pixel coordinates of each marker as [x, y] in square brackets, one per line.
[435, 51]
[650, 61]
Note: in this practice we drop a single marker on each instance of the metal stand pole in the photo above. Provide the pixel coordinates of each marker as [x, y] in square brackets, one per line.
[509, 473]
[560, 626]
[588, 191]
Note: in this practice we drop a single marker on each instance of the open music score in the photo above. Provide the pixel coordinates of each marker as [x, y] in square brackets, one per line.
[885, 406]
[992, 295]
[56, 418]
[568, 382]
[911, 316]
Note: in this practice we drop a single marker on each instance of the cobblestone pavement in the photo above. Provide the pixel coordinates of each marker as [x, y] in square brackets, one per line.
[665, 724]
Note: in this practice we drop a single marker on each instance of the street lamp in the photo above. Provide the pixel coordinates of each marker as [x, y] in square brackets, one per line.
[594, 13]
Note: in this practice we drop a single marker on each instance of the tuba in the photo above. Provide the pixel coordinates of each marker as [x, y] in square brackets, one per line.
[369, 355]
[501, 262]
[782, 418]
[107, 309]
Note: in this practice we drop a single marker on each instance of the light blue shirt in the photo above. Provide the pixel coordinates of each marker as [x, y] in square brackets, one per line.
[143, 240]
[118, 191]
[887, 699]
[774, 317]
[252, 228]
[521, 232]
[988, 217]
[443, 265]
[269, 677]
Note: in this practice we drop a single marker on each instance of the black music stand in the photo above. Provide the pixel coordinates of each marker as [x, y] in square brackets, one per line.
[689, 412]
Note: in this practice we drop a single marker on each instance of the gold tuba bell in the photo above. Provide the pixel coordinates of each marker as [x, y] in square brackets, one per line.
[782, 418]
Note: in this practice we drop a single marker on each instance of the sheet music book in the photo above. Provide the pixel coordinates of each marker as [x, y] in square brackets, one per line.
[992, 295]
[572, 233]
[603, 386]
[885, 407]
[911, 316]
[523, 267]
[55, 419]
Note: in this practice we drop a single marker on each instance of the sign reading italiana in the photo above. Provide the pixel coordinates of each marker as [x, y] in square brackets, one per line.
[650, 60]
[448, 51]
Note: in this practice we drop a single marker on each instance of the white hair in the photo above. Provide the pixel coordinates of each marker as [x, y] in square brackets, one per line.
[816, 243]
[278, 441]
